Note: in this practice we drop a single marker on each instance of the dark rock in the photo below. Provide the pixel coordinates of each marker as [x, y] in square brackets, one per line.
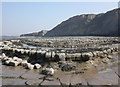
[88, 25]
[67, 67]
[77, 72]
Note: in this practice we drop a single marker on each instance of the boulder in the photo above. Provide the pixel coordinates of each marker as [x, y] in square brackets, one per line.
[3, 55]
[60, 56]
[24, 63]
[109, 51]
[109, 57]
[105, 52]
[73, 56]
[9, 59]
[53, 54]
[4, 59]
[112, 50]
[77, 56]
[48, 71]
[85, 57]
[29, 66]
[94, 53]
[17, 59]
[37, 66]
[48, 55]
[66, 66]
[33, 51]
[18, 50]
[39, 51]
[70, 56]
[22, 51]
[26, 51]
[13, 63]
[101, 54]
[43, 52]
[116, 49]
[7, 62]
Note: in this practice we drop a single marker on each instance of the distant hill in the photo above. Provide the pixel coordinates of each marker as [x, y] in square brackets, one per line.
[36, 34]
[104, 24]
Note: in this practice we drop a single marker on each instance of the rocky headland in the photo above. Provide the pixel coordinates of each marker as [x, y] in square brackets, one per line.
[35, 34]
[103, 24]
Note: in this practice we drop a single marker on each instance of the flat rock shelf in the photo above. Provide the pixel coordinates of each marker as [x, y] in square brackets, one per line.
[60, 61]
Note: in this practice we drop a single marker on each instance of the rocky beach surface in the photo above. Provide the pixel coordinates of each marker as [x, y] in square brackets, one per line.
[60, 61]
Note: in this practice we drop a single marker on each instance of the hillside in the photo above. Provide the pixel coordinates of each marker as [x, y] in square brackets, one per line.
[36, 34]
[104, 24]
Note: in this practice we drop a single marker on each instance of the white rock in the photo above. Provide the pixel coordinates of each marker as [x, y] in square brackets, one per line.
[27, 51]
[69, 55]
[95, 53]
[5, 58]
[17, 59]
[10, 59]
[33, 51]
[49, 71]
[43, 52]
[53, 54]
[22, 51]
[7, 62]
[109, 57]
[108, 50]
[39, 51]
[3, 55]
[24, 63]
[48, 55]
[87, 54]
[61, 56]
[104, 51]
[37, 66]
[18, 50]
[77, 55]
[30, 66]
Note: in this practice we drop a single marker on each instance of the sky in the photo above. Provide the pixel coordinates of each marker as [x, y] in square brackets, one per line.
[26, 17]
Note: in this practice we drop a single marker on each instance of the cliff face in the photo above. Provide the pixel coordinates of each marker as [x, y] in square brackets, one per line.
[105, 24]
[41, 33]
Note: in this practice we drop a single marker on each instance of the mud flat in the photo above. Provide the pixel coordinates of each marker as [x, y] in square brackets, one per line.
[60, 61]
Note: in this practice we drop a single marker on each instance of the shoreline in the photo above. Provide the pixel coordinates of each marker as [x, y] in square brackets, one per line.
[63, 66]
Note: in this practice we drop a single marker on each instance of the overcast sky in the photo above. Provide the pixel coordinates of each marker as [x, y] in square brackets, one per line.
[26, 17]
